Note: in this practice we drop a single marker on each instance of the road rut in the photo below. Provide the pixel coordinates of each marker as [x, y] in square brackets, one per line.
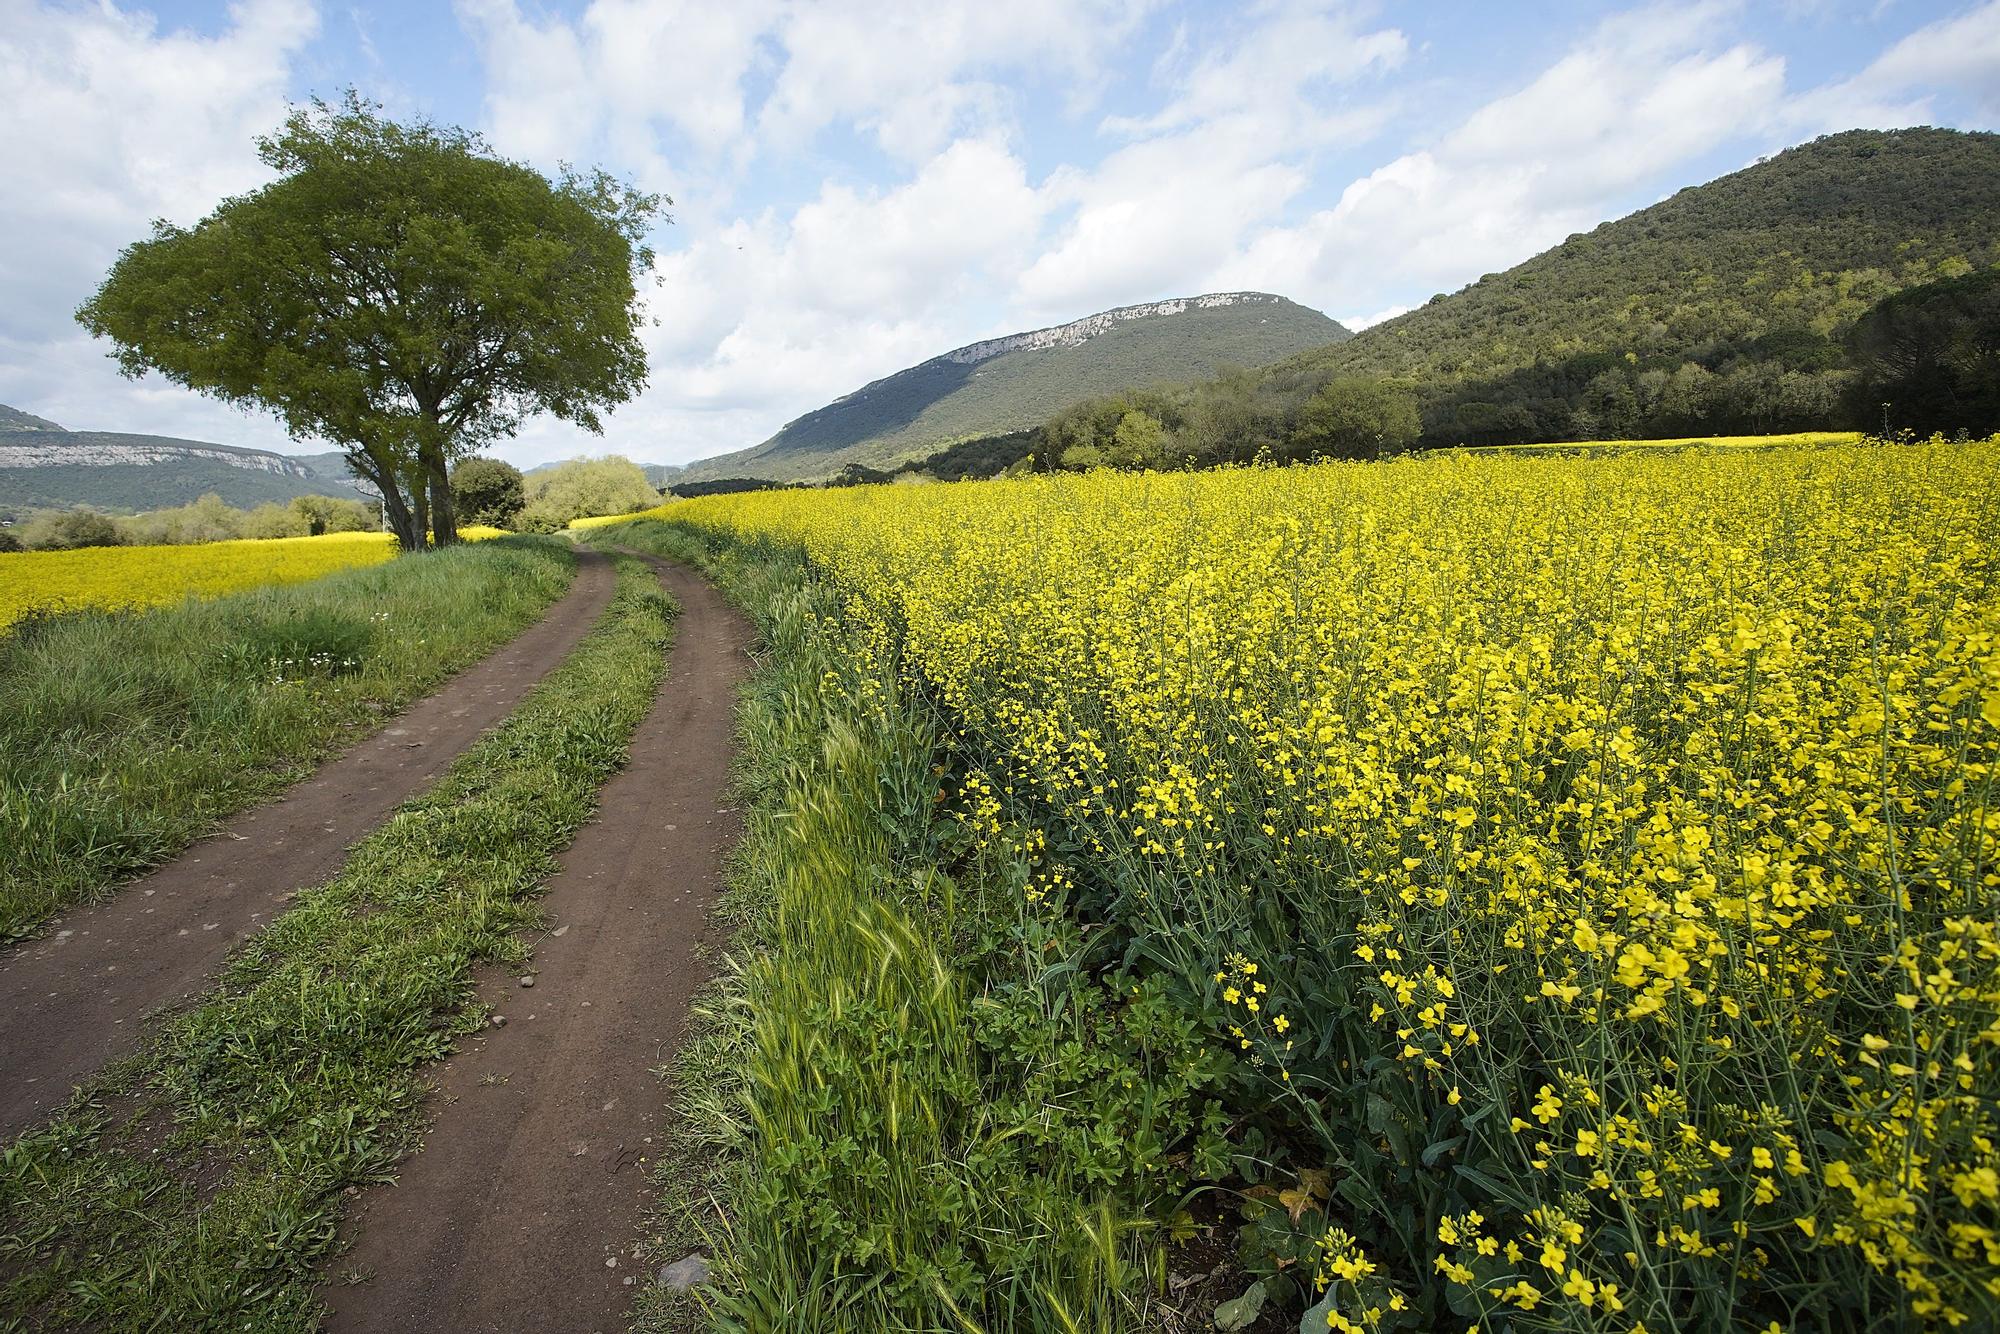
[522, 1210]
[73, 1000]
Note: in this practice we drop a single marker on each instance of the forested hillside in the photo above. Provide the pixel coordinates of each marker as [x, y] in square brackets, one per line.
[1723, 309]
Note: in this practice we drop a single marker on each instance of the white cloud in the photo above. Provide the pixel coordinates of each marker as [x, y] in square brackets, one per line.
[112, 122]
[914, 76]
[1644, 93]
[623, 72]
[1166, 214]
[1356, 323]
[1281, 70]
[1958, 56]
[771, 316]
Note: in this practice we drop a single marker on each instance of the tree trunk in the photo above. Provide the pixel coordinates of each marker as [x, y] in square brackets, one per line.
[444, 514]
[420, 500]
[409, 536]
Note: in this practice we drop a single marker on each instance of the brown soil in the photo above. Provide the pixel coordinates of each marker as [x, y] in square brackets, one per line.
[74, 1000]
[523, 1210]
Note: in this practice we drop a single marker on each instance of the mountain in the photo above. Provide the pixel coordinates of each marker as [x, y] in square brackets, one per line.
[1008, 383]
[13, 419]
[43, 466]
[1720, 309]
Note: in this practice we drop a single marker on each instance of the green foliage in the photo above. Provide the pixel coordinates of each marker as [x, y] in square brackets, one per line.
[722, 486]
[209, 1198]
[583, 489]
[984, 456]
[916, 411]
[126, 736]
[1928, 359]
[206, 520]
[950, 1116]
[399, 291]
[488, 491]
[68, 530]
[324, 514]
[272, 520]
[1355, 417]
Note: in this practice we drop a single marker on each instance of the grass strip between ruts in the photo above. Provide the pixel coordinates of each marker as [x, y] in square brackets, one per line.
[199, 1186]
[126, 735]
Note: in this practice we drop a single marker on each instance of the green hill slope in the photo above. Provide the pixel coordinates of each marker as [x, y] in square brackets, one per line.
[1008, 383]
[1721, 308]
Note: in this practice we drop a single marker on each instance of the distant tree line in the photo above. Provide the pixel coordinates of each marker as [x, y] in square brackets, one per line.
[485, 491]
[205, 520]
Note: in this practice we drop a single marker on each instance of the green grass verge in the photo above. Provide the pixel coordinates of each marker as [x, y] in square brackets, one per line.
[919, 1109]
[124, 736]
[199, 1186]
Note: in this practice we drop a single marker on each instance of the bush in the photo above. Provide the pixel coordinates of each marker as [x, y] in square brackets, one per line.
[71, 529]
[274, 521]
[328, 514]
[487, 491]
[583, 489]
[1356, 418]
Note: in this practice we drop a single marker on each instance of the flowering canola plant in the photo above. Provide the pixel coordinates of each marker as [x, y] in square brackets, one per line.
[1593, 863]
[118, 577]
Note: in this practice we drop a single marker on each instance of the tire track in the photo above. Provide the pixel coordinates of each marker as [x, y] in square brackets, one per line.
[522, 1210]
[72, 1001]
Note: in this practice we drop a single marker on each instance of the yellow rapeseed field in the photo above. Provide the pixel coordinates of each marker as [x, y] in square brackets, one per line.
[1801, 438]
[117, 577]
[1592, 863]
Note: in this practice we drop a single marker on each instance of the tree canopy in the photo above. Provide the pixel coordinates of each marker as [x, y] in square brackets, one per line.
[1928, 359]
[488, 491]
[399, 291]
[583, 489]
[1357, 417]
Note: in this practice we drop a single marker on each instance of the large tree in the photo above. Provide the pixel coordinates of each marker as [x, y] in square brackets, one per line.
[400, 291]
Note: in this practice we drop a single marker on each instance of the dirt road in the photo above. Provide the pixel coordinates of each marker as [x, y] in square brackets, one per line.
[73, 1000]
[521, 1211]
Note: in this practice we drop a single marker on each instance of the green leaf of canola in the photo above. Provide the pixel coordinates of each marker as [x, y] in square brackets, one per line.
[1238, 1312]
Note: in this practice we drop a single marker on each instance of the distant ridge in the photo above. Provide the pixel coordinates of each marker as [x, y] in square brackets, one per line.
[13, 419]
[44, 466]
[1003, 384]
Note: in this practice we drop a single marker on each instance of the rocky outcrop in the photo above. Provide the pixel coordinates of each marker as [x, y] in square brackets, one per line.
[1078, 332]
[103, 449]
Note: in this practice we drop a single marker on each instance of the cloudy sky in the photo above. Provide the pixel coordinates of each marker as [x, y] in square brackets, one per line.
[861, 184]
